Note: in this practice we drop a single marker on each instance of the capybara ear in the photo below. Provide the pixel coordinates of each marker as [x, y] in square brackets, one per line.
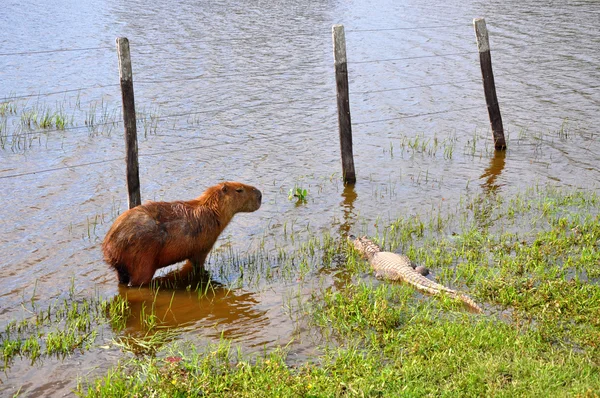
[224, 187]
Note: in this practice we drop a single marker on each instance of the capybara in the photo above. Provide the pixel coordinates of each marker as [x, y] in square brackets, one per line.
[157, 234]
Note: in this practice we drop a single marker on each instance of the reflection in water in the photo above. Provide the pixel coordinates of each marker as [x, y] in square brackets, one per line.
[194, 302]
[483, 206]
[492, 172]
[349, 195]
[347, 204]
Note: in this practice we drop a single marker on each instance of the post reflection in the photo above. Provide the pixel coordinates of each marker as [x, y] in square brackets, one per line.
[341, 278]
[490, 175]
[349, 196]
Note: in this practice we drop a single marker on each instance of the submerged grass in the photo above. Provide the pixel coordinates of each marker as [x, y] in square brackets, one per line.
[23, 124]
[67, 325]
[532, 261]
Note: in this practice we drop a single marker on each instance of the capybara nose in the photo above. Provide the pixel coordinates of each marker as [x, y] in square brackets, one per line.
[258, 195]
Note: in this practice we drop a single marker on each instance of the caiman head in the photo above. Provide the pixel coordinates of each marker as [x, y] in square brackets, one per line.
[364, 245]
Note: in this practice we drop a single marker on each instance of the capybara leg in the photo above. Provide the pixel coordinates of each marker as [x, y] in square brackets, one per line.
[195, 269]
[123, 273]
[198, 261]
[142, 275]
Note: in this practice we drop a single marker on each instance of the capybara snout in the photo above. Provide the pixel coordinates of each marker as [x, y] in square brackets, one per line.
[157, 234]
[258, 197]
[247, 197]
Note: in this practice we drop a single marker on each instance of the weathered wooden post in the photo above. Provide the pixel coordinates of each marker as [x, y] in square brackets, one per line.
[343, 103]
[489, 87]
[131, 146]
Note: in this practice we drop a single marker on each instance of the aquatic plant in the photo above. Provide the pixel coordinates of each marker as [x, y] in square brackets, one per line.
[299, 193]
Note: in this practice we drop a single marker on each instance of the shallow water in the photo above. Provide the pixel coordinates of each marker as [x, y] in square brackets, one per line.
[247, 92]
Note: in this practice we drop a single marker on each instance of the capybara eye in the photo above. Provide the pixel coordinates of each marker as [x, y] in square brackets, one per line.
[239, 190]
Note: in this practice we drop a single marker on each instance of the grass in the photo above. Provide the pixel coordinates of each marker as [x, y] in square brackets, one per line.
[532, 261]
[477, 142]
[23, 124]
[428, 356]
[419, 143]
[66, 325]
[102, 120]
[149, 120]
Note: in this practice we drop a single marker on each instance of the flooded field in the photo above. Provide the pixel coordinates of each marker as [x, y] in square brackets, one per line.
[232, 91]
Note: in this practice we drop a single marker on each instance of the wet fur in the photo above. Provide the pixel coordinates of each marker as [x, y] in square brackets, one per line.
[157, 234]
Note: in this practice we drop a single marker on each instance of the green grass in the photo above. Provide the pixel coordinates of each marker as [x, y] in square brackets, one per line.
[532, 261]
[430, 355]
[66, 325]
[22, 125]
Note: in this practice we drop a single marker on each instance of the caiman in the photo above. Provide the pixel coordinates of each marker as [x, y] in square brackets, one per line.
[396, 267]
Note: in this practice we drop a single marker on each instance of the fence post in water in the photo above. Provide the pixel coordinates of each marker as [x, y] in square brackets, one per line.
[489, 87]
[343, 103]
[131, 146]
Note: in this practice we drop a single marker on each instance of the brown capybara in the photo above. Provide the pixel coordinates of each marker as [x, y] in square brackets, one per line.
[157, 234]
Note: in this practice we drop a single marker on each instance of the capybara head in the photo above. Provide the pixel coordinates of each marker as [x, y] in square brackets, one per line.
[239, 197]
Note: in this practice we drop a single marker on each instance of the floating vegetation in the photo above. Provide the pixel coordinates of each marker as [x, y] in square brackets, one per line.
[298, 193]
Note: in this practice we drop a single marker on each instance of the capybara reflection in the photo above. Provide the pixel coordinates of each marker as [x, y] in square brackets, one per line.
[157, 234]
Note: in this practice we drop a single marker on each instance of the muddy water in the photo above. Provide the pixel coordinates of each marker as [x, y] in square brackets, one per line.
[246, 92]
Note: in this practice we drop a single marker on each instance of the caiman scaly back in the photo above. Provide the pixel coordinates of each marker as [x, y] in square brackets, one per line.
[396, 267]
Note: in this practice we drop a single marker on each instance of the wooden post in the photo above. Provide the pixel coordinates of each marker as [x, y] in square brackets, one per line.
[489, 87]
[343, 103]
[131, 146]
